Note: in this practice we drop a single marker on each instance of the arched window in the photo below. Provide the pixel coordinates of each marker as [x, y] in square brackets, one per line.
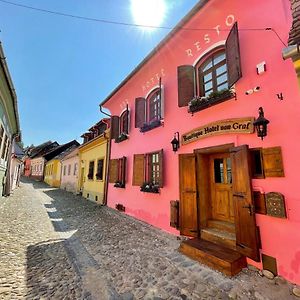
[212, 74]
[124, 122]
[154, 105]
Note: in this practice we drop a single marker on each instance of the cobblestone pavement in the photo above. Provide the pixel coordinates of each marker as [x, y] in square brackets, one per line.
[54, 245]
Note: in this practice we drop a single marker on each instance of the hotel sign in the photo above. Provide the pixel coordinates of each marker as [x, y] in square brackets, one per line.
[244, 125]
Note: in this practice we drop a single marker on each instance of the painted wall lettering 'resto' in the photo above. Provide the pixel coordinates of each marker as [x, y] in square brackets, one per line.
[153, 80]
[207, 37]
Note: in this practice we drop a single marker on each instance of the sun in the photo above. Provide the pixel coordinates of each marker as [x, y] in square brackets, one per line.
[148, 12]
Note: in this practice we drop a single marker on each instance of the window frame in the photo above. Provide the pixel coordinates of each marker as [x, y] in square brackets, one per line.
[97, 170]
[200, 84]
[90, 174]
[124, 118]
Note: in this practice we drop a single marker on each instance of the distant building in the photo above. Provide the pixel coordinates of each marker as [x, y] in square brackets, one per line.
[93, 162]
[70, 171]
[53, 168]
[36, 159]
[16, 165]
[9, 124]
[33, 151]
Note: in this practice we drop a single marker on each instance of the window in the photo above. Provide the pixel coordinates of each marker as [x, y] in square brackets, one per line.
[124, 122]
[65, 170]
[117, 172]
[148, 171]
[149, 112]
[69, 170]
[154, 106]
[1, 134]
[209, 82]
[91, 170]
[212, 74]
[120, 126]
[266, 162]
[3, 153]
[100, 167]
[7, 150]
[75, 169]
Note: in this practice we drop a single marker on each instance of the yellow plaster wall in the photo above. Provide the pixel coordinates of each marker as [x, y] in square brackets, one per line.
[53, 173]
[92, 151]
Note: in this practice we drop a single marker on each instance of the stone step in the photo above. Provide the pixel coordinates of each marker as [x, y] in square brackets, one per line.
[222, 225]
[218, 257]
[218, 236]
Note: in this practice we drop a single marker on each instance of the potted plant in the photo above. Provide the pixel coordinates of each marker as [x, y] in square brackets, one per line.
[122, 137]
[199, 103]
[149, 187]
[119, 184]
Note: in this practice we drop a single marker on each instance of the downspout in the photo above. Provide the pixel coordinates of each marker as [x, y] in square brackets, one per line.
[108, 146]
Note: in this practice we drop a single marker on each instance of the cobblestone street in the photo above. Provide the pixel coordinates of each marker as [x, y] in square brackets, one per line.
[54, 245]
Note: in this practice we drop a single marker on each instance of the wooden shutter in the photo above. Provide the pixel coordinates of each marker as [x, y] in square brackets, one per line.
[114, 131]
[233, 60]
[113, 170]
[188, 195]
[245, 226]
[140, 112]
[161, 167]
[186, 84]
[272, 162]
[138, 177]
[174, 214]
[122, 176]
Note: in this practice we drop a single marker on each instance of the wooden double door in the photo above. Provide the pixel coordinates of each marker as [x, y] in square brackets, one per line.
[215, 185]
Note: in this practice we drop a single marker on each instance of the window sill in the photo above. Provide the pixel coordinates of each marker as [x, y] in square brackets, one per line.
[149, 126]
[200, 105]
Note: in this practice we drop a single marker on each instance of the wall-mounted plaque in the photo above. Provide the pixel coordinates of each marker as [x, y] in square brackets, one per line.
[242, 125]
[275, 205]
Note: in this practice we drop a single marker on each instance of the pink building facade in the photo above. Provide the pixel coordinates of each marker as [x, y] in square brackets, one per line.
[70, 171]
[207, 80]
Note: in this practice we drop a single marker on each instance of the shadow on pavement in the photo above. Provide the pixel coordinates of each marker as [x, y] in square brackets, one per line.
[50, 274]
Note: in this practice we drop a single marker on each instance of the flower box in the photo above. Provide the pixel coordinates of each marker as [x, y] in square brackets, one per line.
[200, 103]
[122, 137]
[148, 126]
[149, 188]
[119, 184]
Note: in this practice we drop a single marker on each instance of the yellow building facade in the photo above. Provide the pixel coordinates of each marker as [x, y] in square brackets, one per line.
[53, 172]
[93, 163]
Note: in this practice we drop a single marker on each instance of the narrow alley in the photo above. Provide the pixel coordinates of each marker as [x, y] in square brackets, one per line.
[54, 245]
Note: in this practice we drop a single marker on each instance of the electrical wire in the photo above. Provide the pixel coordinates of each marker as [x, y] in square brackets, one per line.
[133, 24]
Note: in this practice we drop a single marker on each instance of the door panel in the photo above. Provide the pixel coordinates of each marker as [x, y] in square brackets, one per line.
[246, 233]
[188, 195]
[221, 187]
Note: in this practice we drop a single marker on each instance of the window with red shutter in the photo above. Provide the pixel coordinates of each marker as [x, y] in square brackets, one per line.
[216, 73]
[148, 171]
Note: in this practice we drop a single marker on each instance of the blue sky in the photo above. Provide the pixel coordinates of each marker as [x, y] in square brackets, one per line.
[62, 68]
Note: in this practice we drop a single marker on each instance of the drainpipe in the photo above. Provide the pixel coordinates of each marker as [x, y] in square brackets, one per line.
[108, 146]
